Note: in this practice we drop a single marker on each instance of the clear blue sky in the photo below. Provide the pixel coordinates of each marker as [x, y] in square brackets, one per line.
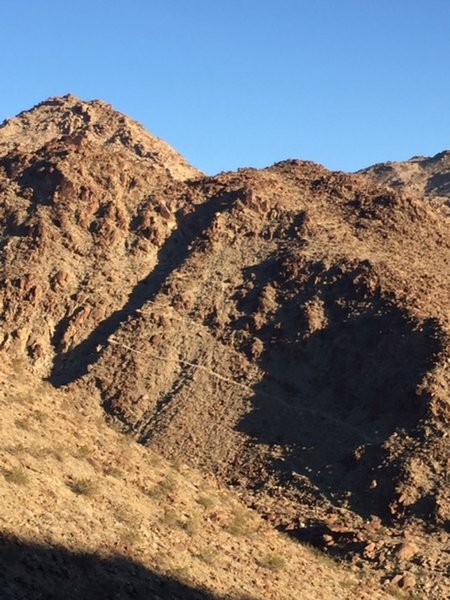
[234, 83]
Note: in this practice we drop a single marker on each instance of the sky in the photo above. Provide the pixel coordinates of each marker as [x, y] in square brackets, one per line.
[238, 83]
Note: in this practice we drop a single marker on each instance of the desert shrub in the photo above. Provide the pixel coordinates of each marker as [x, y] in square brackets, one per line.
[154, 459]
[84, 487]
[156, 492]
[130, 536]
[39, 416]
[177, 464]
[23, 424]
[206, 501]
[113, 471]
[274, 562]
[58, 453]
[82, 452]
[16, 475]
[169, 484]
[171, 518]
[192, 525]
[319, 554]
[209, 556]
[242, 522]
[163, 488]
[19, 366]
[124, 515]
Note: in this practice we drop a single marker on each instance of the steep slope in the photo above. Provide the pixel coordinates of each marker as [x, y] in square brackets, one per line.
[423, 176]
[300, 353]
[88, 197]
[286, 330]
[87, 513]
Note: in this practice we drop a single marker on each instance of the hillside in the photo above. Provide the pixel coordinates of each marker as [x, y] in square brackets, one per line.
[284, 331]
[89, 514]
[424, 176]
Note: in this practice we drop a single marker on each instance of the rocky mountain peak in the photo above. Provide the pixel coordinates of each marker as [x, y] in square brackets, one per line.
[68, 119]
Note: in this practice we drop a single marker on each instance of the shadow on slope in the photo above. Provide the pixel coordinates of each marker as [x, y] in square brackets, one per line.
[37, 572]
[69, 366]
[339, 383]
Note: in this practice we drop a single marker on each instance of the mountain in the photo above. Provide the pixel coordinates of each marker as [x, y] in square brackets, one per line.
[284, 331]
[426, 177]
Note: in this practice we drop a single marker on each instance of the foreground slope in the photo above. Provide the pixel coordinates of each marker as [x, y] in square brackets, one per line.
[87, 513]
[286, 330]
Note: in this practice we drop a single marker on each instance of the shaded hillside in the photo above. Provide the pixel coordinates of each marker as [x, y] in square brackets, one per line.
[286, 330]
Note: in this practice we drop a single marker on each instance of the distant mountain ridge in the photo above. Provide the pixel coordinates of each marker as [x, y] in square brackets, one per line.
[427, 177]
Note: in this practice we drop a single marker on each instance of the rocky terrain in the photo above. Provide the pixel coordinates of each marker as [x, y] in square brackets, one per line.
[426, 177]
[283, 331]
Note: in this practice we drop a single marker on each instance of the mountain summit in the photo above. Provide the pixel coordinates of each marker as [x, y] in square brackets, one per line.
[69, 120]
[285, 331]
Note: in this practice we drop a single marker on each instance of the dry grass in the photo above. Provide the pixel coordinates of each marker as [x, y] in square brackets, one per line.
[16, 475]
[274, 562]
[242, 522]
[84, 486]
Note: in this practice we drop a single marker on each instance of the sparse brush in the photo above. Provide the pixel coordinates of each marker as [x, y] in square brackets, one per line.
[171, 518]
[177, 464]
[347, 584]
[242, 522]
[123, 515]
[19, 366]
[274, 562]
[17, 449]
[169, 484]
[180, 574]
[45, 387]
[206, 501]
[208, 556]
[156, 492]
[37, 451]
[319, 554]
[82, 452]
[39, 416]
[395, 592]
[163, 561]
[113, 471]
[16, 475]
[154, 459]
[192, 525]
[23, 424]
[57, 452]
[84, 487]
[130, 536]
[164, 487]
[19, 399]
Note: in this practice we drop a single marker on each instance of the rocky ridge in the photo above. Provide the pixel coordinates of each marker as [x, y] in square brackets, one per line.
[424, 176]
[285, 330]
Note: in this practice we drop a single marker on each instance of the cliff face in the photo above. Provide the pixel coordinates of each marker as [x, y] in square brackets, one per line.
[285, 329]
